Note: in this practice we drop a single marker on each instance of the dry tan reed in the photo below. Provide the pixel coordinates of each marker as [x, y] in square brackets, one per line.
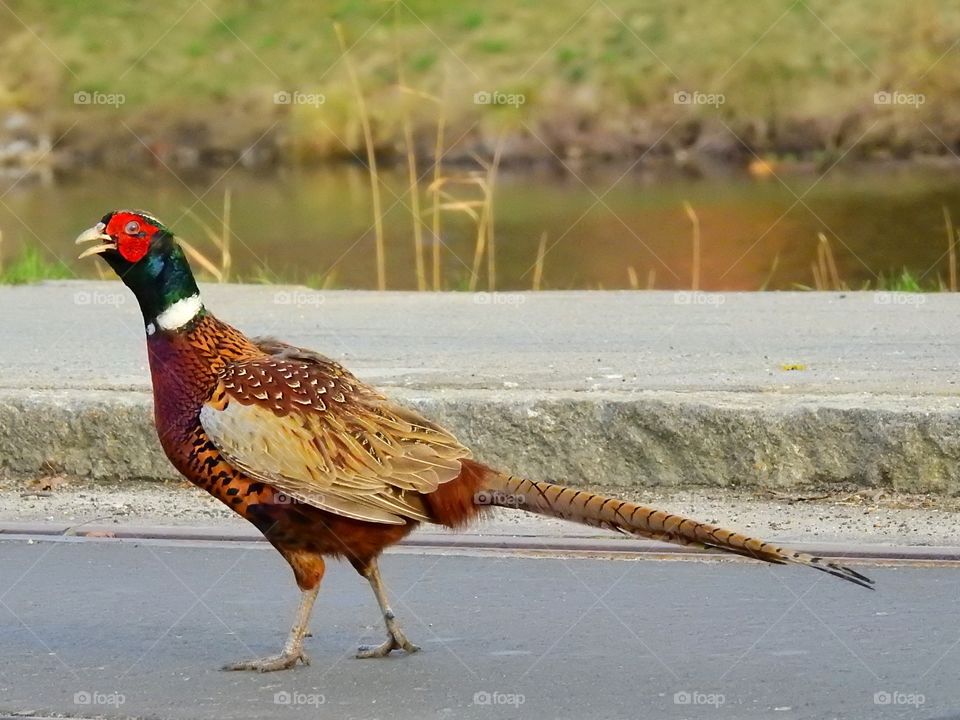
[435, 220]
[829, 276]
[695, 221]
[951, 249]
[538, 266]
[220, 241]
[371, 161]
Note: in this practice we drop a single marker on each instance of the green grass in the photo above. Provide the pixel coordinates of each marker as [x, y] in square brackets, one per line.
[905, 282]
[31, 266]
[603, 65]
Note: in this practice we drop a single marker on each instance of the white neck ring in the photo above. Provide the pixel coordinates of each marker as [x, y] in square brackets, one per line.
[180, 313]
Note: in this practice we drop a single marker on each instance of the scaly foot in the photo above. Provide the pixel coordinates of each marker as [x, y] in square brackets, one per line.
[395, 641]
[284, 661]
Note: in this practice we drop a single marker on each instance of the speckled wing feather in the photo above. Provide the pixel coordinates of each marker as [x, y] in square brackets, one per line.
[303, 424]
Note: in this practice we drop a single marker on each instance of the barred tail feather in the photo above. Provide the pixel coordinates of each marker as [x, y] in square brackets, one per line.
[600, 511]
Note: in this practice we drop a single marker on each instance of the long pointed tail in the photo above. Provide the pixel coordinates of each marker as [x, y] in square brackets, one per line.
[600, 511]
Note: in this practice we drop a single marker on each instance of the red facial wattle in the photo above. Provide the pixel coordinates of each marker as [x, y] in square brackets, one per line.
[132, 248]
[132, 245]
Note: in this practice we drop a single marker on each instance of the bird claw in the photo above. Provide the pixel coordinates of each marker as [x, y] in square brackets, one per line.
[392, 643]
[284, 661]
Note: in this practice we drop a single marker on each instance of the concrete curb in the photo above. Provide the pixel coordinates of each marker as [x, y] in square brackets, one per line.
[621, 389]
[656, 439]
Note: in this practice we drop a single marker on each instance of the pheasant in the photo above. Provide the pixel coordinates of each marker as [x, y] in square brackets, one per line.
[322, 464]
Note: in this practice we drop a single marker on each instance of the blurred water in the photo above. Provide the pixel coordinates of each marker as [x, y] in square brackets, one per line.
[303, 226]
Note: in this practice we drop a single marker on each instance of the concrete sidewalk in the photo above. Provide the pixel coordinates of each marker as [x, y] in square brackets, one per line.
[608, 388]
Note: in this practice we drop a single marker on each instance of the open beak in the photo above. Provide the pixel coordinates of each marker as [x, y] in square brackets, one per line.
[96, 234]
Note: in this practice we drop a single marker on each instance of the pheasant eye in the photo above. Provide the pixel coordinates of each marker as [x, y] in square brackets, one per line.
[132, 228]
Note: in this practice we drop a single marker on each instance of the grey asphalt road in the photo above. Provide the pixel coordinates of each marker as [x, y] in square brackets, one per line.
[122, 629]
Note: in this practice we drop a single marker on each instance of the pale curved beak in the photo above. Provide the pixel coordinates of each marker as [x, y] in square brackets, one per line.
[95, 234]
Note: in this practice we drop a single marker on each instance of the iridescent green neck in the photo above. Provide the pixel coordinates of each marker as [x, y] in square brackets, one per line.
[164, 286]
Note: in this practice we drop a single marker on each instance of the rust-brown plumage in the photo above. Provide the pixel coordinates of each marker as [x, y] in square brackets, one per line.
[326, 466]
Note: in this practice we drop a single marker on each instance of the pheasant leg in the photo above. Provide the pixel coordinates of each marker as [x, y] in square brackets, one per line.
[396, 640]
[293, 649]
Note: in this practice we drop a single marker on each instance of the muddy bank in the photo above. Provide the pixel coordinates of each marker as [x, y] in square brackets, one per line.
[31, 143]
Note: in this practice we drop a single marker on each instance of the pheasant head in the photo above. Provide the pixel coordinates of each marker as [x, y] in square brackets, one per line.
[148, 259]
